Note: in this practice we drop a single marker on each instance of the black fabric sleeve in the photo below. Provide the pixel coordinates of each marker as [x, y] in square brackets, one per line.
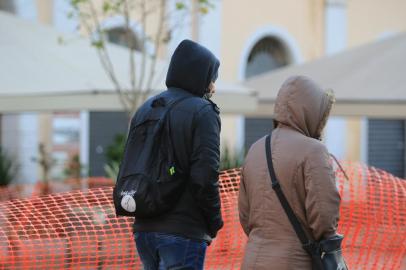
[204, 168]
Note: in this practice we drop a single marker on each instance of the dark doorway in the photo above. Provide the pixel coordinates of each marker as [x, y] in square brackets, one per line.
[103, 128]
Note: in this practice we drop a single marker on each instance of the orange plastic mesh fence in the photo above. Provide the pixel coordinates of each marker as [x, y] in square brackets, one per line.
[79, 230]
[20, 191]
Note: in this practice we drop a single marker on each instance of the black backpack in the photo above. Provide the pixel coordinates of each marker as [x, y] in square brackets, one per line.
[149, 182]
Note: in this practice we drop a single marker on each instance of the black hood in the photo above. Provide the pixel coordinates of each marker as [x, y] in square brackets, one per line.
[192, 68]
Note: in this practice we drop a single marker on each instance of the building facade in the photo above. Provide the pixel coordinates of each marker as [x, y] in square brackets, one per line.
[259, 36]
[250, 37]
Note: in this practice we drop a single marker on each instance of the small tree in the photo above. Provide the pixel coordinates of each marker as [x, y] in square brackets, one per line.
[114, 155]
[157, 36]
[74, 167]
[231, 160]
[46, 162]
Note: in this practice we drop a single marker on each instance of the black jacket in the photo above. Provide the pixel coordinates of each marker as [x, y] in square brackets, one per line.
[195, 132]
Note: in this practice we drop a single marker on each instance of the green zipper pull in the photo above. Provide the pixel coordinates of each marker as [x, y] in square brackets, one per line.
[172, 170]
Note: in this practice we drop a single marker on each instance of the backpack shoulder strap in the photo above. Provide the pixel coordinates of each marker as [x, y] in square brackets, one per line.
[281, 196]
[168, 125]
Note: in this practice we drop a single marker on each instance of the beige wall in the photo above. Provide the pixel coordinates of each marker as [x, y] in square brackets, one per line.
[45, 11]
[369, 19]
[303, 20]
[242, 20]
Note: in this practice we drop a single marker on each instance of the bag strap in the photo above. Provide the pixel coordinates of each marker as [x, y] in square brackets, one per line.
[169, 130]
[176, 102]
[171, 106]
[285, 204]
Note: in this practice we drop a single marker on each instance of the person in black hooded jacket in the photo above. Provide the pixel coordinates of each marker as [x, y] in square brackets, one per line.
[178, 239]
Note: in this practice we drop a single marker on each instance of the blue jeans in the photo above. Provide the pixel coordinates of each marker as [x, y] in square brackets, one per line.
[161, 251]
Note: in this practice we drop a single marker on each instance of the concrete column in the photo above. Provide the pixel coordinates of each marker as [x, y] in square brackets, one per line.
[20, 140]
[335, 40]
[84, 139]
[364, 138]
[354, 139]
[45, 129]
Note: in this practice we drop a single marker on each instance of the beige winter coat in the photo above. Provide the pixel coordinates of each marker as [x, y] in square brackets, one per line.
[307, 179]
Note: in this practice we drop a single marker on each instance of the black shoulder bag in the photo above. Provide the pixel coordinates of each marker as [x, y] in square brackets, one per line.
[326, 254]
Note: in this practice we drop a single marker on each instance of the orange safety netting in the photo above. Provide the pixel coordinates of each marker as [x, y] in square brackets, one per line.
[21, 191]
[79, 230]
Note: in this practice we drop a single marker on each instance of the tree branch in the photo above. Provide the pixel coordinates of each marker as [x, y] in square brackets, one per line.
[106, 60]
[141, 85]
[133, 98]
[144, 44]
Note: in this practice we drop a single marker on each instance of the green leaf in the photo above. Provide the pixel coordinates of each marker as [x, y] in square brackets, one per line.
[8, 168]
[206, 3]
[111, 170]
[76, 3]
[70, 14]
[180, 6]
[204, 10]
[117, 6]
[106, 7]
[115, 151]
[61, 40]
[167, 37]
[98, 44]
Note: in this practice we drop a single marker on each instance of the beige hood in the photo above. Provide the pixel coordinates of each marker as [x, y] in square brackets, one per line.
[303, 105]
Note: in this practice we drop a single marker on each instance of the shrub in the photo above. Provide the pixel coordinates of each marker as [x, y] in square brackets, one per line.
[114, 155]
[8, 168]
[231, 160]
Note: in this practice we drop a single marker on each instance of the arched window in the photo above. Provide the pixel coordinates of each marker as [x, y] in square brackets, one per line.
[269, 53]
[123, 37]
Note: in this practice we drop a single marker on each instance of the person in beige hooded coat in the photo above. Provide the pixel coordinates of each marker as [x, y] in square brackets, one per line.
[307, 179]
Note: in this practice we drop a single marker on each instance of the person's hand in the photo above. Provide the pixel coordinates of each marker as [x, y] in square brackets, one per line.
[214, 230]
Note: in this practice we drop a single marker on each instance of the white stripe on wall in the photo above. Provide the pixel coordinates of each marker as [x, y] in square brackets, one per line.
[84, 139]
[335, 41]
[210, 29]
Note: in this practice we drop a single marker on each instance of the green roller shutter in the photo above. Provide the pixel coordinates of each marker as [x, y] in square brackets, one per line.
[386, 145]
[256, 128]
